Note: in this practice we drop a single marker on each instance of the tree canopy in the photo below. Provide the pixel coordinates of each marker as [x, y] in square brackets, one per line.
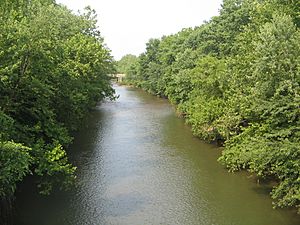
[53, 69]
[125, 63]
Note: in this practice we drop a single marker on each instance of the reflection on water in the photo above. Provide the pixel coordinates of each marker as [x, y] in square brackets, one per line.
[139, 164]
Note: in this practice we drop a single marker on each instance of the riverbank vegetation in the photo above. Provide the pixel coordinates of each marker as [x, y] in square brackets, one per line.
[236, 80]
[53, 69]
[125, 63]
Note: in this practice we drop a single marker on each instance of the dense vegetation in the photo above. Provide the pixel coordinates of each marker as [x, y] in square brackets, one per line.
[125, 63]
[236, 80]
[53, 69]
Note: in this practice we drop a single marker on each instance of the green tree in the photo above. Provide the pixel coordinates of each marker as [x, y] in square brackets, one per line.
[54, 68]
[269, 146]
[125, 63]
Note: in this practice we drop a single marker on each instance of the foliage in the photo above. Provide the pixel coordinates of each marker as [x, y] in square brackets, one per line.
[235, 79]
[269, 146]
[15, 161]
[54, 68]
[125, 63]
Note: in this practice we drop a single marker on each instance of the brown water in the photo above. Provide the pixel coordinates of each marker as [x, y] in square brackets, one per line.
[139, 164]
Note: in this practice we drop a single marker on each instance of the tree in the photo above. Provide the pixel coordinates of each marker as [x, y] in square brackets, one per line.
[54, 68]
[124, 64]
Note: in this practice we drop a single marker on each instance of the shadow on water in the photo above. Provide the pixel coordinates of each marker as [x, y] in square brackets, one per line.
[33, 208]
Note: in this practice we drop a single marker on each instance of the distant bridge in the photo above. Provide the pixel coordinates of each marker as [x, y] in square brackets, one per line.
[119, 76]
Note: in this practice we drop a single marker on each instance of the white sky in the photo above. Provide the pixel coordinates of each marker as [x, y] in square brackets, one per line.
[127, 25]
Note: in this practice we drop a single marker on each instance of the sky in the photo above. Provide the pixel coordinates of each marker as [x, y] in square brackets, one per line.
[127, 25]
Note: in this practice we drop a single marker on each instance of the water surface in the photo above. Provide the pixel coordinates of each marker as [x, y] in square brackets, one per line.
[139, 164]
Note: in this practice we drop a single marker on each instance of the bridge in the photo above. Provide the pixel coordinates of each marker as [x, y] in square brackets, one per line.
[119, 77]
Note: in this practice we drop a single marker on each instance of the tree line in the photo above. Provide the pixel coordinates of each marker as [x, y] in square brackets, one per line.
[53, 69]
[236, 80]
